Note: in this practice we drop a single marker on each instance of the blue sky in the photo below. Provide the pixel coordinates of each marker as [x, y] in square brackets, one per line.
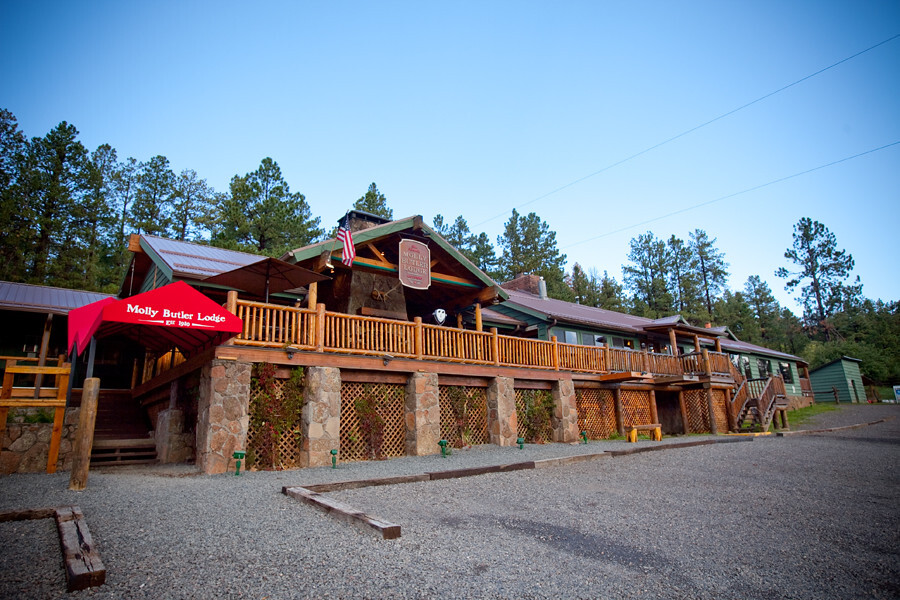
[475, 108]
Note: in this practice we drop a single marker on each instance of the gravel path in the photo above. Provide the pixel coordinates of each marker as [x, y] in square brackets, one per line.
[811, 516]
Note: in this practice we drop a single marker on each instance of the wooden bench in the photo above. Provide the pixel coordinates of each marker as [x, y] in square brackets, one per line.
[655, 430]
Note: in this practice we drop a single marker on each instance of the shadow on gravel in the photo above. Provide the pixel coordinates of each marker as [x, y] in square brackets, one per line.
[591, 546]
[859, 440]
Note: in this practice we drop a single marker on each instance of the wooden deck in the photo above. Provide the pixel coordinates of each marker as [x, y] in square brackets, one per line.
[320, 331]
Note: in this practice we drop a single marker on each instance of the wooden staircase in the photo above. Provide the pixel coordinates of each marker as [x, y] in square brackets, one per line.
[761, 401]
[122, 432]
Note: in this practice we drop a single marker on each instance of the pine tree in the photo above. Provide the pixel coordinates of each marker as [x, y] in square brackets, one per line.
[152, 207]
[645, 277]
[375, 203]
[13, 171]
[529, 246]
[711, 268]
[192, 201]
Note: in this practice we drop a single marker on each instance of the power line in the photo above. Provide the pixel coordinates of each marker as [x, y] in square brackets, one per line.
[726, 197]
[695, 128]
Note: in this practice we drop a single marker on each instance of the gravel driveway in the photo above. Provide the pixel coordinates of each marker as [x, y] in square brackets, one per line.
[808, 516]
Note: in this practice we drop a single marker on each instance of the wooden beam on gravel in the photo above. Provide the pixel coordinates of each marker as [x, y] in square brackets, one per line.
[345, 512]
[84, 568]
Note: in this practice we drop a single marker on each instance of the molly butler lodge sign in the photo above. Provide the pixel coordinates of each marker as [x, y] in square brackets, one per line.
[415, 265]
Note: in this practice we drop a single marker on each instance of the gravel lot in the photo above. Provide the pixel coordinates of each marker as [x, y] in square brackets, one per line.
[811, 516]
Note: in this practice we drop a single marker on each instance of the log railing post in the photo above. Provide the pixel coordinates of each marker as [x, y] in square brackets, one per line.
[555, 353]
[706, 368]
[87, 418]
[495, 346]
[478, 323]
[673, 343]
[419, 333]
[320, 327]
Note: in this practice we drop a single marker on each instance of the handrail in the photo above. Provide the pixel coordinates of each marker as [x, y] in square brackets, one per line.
[270, 325]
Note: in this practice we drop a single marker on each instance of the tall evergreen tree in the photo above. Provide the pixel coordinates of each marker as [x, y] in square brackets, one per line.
[710, 267]
[192, 201]
[645, 276]
[822, 273]
[529, 246]
[765, 308]
[58, 162]
[375, 203]
[482, 254]
[262, 215]
[13, 227]
[152, 207]
[683, 280]
[610, 294]
[733, 311]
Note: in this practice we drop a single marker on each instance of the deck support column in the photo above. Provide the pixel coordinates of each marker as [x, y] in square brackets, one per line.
[422, 414]
[673, 344]
[729, 413]
[501, 406]
[620, 416]
[321, 425]
[711, 406]
[565, 412]
[684, 415]
[172, 444]
[654, 415]
[223, 413]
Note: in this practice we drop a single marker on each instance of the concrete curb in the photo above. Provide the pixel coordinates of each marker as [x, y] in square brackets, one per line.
[831, 429]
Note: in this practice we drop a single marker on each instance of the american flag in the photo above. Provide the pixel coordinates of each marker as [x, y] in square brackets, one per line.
[346, 237]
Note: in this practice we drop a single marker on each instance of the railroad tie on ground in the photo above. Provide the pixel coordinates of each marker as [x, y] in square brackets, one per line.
[82, 562]
[345, 512]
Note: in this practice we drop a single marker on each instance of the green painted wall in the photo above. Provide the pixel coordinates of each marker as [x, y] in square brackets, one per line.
[842, 374]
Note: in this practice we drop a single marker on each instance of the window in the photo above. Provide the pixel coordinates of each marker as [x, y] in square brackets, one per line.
[786, 372]
[571, 337]
[764, 366]
[745, 360]
[618, 342]
[736, 360]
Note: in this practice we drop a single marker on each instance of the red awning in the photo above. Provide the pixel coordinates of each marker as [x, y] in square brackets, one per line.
[173, 315]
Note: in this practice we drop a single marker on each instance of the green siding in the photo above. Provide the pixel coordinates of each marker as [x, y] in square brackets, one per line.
[842, 374]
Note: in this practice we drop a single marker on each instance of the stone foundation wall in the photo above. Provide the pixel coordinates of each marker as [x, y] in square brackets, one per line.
[322, 415]
[423, 414]
[25, 445]
[223, 413]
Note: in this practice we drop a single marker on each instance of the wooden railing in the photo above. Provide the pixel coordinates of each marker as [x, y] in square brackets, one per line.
[322, 331]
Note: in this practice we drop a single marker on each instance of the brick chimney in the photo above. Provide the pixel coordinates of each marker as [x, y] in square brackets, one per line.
[360, 219]
[533, 284]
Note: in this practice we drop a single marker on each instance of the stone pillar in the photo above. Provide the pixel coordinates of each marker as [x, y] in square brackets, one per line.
[565, 411]
[322, 415]
[223, 413]
[172, 444]
[422, 412]
[501, 407]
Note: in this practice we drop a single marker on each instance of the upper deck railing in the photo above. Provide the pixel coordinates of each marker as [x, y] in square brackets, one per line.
[274, 326]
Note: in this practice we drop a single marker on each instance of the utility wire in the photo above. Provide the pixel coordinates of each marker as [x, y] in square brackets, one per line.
[695, 128]
[720, 198]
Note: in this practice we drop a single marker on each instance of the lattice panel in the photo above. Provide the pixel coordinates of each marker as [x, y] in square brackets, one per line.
[596, 412]
[475, 422]
[721, 409]
[697, 411]
[390, 408]
[523, 398]
[288, 451]
[635, 407]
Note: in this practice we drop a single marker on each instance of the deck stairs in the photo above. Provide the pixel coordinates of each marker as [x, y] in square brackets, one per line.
[122, 432]
[760, 401]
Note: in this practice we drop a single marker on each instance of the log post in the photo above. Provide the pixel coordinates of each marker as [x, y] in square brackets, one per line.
[620, 417]
[419, 333]
[719, 345]
[555, 352]
[729, 411]
[711, 404]
[312, 295]
[696, 343]
[85, 438]
[834, 390]
[706, 368]
[42, 357]
[478, 323]
[320, 327]
[495, 346]
[673, 343]
[684, 415]
[654, 415]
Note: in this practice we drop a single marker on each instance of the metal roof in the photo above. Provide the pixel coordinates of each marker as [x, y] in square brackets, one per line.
[43, 299]
[188, 260]
[602, 318]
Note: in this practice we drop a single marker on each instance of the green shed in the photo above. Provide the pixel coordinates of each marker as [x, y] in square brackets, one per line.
[843, 374]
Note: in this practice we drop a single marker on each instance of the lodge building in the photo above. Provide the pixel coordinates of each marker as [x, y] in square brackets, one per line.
[408, 326]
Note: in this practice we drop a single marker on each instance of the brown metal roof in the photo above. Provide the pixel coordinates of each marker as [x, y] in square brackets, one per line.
[43, 299]
[188, 260]
[608, 319]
